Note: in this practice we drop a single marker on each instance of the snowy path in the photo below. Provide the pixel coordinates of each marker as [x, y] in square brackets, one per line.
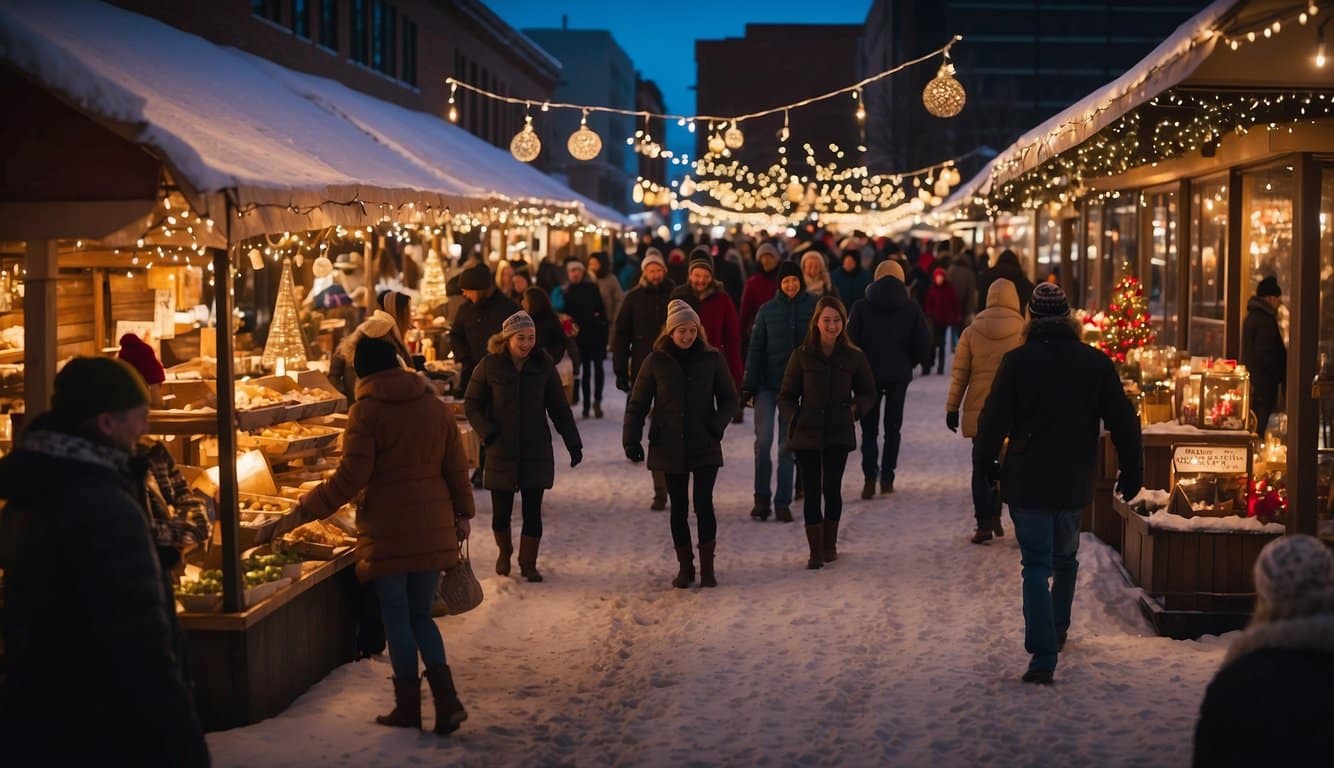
[907, 651]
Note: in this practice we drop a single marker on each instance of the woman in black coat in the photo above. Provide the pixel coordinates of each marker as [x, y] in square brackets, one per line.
[511, 393]
[551, 336]
[583, 303]
[688, 387]
[826, 388]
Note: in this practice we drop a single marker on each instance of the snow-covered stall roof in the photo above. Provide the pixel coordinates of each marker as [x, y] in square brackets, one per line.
[428, 141]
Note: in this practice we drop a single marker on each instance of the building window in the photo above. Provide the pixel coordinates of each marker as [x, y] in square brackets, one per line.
[383, 21]
[300, 19]
[329, 24]
[267, 9]
[409, 51]
[1208, 265]
[357, 32]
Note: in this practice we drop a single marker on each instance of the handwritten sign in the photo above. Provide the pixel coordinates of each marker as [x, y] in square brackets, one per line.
[164, 315]
[1211, 459]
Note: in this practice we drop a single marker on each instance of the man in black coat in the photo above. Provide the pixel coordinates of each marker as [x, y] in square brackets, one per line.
[478, 320]
[1262, 350]
[643, 311]
[891, 329]
[1050, 397]
[1007, 266]
[90, 632]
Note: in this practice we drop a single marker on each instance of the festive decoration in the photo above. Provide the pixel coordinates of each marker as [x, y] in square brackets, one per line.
[717, 144]
[285, 349]
[732, 137]
[322, 267]
[944, 96]
[1125, 325]
[525, 145]
[432, 290]
[584, 144]
[1267, 498]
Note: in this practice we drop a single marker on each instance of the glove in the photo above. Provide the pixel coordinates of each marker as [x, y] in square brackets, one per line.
[634, 452]
[993, 473]
[1128, 487]
[576, 456]
[952, 420]
[623, 382]
[747, 398]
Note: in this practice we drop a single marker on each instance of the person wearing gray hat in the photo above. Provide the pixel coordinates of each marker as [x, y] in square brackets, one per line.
[513, 391]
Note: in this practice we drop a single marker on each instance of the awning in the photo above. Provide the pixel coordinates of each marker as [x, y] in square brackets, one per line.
[225, 125]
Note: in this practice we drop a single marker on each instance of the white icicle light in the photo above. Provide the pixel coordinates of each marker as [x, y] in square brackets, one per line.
[584, 144]
[525, 146]
[944, 96]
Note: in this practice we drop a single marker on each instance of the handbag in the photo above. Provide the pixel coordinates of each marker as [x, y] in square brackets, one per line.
[459, 588]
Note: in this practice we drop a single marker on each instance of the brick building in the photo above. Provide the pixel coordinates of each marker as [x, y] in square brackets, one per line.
[776, 64]
[396, 50]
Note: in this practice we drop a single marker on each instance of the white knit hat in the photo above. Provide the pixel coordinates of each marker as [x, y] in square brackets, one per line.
[517, 322]
[1291, 566]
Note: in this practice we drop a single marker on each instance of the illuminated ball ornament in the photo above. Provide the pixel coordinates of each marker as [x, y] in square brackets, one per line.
[944, 96]
[322, 267]
[584, 144]
[717, 144]
[733, 138]
[525, 145]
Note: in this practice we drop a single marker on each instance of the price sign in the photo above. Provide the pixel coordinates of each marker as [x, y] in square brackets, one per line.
[1211, 459]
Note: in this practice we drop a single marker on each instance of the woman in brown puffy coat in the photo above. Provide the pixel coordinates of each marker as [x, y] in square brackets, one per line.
[402, 446]
[994, 331]
[827, 387]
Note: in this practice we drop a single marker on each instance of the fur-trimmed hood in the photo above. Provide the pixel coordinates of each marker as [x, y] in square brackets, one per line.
[1312, 632]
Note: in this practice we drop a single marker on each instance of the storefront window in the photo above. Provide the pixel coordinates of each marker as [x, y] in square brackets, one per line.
[1161, 208]
[1325, 384]
[1120, 247]
[1208, 262]
[1048, 243]
[1266, 231]
[1092, 248]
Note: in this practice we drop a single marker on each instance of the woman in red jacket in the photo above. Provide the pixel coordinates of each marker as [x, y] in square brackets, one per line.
[943, 310]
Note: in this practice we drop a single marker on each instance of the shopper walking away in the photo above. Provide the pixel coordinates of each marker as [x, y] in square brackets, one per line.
[827, 386]
[964, 279]
[1282, 665]
[996, 330]
[550, 334]
[1006, 266]
[685, 391]
[850, 279]
[718, 316]
[637, 328]
[512, 393]
[892, 331]
[1263, 351]
[780, 327]
[761, 287]
[402, 447]
[583, 303]
[1050, 397]
[942, 309]
[89, 630]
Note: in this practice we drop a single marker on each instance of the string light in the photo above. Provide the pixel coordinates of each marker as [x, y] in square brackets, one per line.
[454, 110]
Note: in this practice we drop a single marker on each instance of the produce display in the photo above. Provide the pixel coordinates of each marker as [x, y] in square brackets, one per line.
[292, 431]
[320, 532]
[258, 570]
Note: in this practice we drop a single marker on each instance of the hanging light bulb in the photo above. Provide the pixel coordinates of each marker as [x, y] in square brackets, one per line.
[453, 110]
[637, 193]
[256, 259]
[687, 187]
[716, 144]
[525, 145]
[733, 137]
[584, 144]
[944, 96]
[861, 105]
[1320, 54]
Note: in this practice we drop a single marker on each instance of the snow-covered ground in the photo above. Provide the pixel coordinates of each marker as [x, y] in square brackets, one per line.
[907, 651]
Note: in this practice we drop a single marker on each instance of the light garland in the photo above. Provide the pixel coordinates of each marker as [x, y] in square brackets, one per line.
[525, 146]
[584, 144]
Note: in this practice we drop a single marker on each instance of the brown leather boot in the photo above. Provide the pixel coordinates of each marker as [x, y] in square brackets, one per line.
[528, 558]
[407, 705]
[505, 543]
[815, 539]
[449, 711]
[685, 556]
[706, 577]
[830, 541]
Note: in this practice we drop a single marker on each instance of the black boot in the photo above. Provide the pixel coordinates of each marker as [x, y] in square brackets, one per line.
[830, 549]
[887, 485]
[597, 409]
[449, 711]
[685, 557]
[407, 711]
[783, 514]
[982, 535]
[815, 540]
[761, 509]
[996, 527]
[528, 558]
[706, 577]
[868, 489]
[505, 543]
[477, 478]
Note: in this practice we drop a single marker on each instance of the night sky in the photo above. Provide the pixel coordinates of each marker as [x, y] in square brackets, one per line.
[660, 37]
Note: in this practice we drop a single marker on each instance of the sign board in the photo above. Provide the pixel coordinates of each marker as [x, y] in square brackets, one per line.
[1211, 459]
[141, 328]
[164, 315]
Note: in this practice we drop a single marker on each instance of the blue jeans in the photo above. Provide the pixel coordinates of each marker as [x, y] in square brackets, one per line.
[1048, 543]
[766, 408]
[405, 606]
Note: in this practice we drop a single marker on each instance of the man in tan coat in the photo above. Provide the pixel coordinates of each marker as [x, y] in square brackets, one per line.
[994, 331]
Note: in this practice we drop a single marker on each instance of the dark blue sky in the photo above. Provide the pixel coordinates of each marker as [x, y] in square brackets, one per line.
[660, 36]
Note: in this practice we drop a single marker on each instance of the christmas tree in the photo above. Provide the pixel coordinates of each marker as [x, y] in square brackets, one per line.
[1125, 324]
[432, 290]
[286, 342]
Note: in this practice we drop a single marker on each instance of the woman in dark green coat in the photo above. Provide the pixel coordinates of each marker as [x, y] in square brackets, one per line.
[826, 388]
[510, 395]
[688, 386]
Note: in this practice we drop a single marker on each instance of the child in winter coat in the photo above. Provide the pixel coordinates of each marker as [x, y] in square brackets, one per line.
[943, 310]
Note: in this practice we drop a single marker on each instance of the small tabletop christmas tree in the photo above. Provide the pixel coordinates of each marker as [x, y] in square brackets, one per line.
[1125, 324]
[432, 291]
[286, 342]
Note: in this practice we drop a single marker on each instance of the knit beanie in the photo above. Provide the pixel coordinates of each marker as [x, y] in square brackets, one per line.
[475, 278]
[889, 268]
[766, 248]
[379, 325]
[88, 386]
[1048, 301]
[1291, 566]
[788, 269]
[700, 259]
[679, 313]
[1268, 287]
[519, 321]
[652, 256]
[137, 353]
[373, 356]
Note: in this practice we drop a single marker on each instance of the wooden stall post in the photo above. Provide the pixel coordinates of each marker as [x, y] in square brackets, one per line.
[227, 505]
[1303, 352]
[1183, 246]
[1235, 271]
[39, 326]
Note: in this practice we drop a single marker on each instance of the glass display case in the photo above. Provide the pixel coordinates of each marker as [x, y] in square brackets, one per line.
[1225, 399]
